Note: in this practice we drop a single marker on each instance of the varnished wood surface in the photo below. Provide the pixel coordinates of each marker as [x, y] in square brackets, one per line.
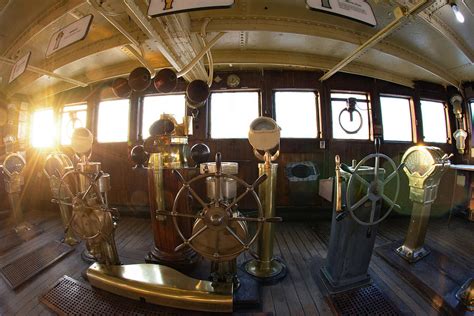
[297, 243]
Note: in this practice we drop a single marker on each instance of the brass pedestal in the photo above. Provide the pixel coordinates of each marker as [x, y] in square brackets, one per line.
[413, 248]
[266, 267]
[424, 167]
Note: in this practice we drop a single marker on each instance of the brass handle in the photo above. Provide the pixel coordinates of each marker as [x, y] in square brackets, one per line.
[338, 184]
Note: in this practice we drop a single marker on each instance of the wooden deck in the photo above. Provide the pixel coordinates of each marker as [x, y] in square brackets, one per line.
[297, 243]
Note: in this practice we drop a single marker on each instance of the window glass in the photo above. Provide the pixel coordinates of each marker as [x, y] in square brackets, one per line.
[43, 131]
[433, 117]
[113, 121]
[154, 106]
[72, 117]
[295, 113]
[232, 113]
[342, 119]
[396, 119]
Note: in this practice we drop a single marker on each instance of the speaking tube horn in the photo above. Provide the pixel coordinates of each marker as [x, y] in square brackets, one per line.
[165, 80]
[81, 140]
[197, 93]
[121, 88]
[264, 133]
[139, 79]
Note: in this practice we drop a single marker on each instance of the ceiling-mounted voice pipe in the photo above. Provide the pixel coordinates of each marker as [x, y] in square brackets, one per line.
[45, 72]
[208, 54]
[147, 27]
[136, 49]
[198, 57]
[400, 16]
[139, 57]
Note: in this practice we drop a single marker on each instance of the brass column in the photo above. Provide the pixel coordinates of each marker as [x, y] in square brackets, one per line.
[93, 248]
[266, 266]
[415, 239]
[17, 212]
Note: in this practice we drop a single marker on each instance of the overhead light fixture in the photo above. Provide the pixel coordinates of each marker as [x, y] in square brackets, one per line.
[457, 13]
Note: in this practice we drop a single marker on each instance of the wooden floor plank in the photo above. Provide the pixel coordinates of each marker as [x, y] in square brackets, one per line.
[296, 243]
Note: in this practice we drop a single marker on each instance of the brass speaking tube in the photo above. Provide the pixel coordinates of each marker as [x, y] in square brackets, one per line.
[338, 180]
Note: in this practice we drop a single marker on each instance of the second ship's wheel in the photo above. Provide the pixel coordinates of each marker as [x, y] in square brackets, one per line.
[87, 220]
[374, 189]
[218, 219]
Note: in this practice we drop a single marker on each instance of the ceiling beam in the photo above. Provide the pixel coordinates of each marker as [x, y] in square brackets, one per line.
[47, 17]
[321, 29]
[68, 55]
[448, 33]
[400, 17]
[268, 58]
[172, 36]
[45, 72]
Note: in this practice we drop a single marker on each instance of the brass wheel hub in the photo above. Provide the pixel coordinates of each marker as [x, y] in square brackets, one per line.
[216, 218]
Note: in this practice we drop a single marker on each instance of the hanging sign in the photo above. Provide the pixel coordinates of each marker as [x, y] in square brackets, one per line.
[19, 67]
[163, 7]
[358, 10]
[70, 34]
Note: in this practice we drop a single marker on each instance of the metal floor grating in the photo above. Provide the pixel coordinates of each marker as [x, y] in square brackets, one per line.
[24, 268]
[71, 297]
[363, 301]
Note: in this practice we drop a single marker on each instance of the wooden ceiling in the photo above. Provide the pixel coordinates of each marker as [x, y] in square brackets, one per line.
[427, 45]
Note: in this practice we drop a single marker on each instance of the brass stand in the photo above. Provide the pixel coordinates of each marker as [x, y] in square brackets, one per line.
[413, 248]
[267, 267]
[12, 169]
[424, 167]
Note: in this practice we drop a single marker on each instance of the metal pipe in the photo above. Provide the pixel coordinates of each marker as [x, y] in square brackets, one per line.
[114, 23]
[133, 41]
[198, 57]
[140, 58]
[146, 26]
[45, 72]
[380, 35]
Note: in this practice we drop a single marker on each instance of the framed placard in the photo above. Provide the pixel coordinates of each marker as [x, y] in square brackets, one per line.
[19, 67]
[70, 34]
[163, 7]
[358, 10]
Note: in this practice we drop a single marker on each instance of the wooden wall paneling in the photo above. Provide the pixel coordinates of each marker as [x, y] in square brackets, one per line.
[129, 187]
